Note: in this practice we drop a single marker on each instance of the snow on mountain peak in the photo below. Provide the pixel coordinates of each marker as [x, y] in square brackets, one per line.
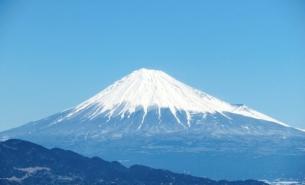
[148, 89]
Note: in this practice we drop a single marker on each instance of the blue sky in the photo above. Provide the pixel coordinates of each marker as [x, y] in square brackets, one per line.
[55, 54]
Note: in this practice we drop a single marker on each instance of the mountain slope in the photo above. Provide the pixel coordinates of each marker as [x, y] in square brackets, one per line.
[150, 118]
[26, 163]
[155, 90]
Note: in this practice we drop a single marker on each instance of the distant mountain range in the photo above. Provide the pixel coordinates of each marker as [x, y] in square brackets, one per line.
[150, 118]
[25, 163]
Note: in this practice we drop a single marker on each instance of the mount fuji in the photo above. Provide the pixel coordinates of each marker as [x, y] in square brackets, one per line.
[148, 117]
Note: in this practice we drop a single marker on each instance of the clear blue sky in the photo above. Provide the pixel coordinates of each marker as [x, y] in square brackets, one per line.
[55, 54]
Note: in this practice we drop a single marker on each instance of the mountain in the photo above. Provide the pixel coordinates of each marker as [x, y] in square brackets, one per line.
[159, 96]
[26, 163]
[150, 118]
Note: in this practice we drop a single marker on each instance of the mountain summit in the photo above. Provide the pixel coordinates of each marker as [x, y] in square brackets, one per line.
[153, 90]
[150, 118]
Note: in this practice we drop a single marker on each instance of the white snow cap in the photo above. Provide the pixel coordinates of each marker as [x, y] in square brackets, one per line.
[148, 88]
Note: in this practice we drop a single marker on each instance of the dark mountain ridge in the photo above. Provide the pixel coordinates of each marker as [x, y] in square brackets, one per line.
[26, 163]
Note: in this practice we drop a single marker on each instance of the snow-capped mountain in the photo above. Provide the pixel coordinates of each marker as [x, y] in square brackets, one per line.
[151, 101]
[153, 90]
[147, 116]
